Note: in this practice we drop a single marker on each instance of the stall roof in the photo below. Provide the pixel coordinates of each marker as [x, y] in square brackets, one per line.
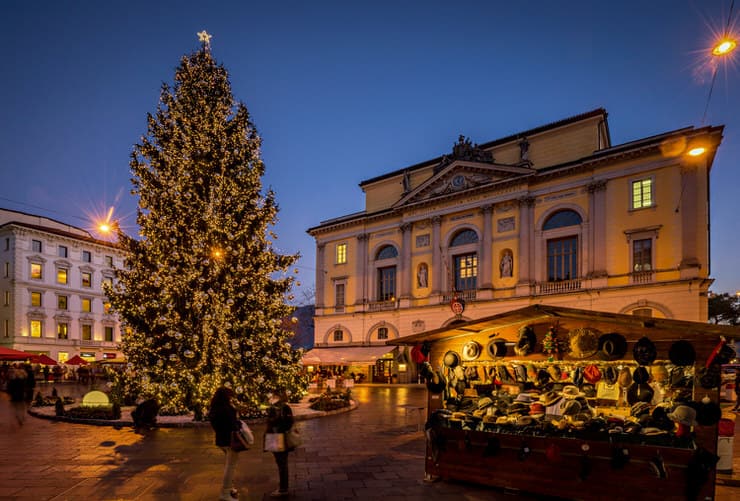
[545, 312]
[346, 355]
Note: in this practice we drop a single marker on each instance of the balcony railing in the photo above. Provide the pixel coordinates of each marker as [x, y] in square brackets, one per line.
[643, 277]
[382, 305]
[468, 295]
[559, 287]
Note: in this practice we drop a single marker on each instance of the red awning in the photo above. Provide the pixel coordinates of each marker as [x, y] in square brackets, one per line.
[11, 354]
[42, 359]
[76, 360]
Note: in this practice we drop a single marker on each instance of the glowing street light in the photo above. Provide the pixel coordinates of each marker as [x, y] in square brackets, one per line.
[724, 47]
[695, 152]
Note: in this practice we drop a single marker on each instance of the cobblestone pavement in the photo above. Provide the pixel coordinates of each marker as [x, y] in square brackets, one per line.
[374, 452]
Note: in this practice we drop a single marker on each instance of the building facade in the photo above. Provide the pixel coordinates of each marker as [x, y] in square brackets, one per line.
[554, 215]
[52, 289]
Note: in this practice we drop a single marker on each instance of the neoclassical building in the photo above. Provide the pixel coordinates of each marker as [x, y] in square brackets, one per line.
[52, 289]
[554, 215]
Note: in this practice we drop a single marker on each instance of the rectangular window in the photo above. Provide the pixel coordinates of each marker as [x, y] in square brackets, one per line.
[36, 271]
[562, 259]
[108, 333]
[61, 302]
[86, 279]
[86, 332]
[339, 295]
[7, 298]
[387, 283]
[6, 328]
[61, 275]
[86, 256]
[338, 335]
[62, 251]
[6, 270]
[62, 330]
[382, 333]
[642, 193]
[35, 299]
[36, 245]
[109, 261]
[466, 272]
[106, 281]
[642, 255]
[341, 253]
[36, 327]
[86, 303]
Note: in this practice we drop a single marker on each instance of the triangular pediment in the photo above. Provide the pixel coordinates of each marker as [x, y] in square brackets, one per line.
[459, 176]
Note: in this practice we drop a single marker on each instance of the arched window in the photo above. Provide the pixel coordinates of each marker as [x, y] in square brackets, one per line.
[464, 237]
[561, 219]
[386, 252]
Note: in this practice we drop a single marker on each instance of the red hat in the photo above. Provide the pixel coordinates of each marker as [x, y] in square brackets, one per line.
[417, 355]
[592, 374]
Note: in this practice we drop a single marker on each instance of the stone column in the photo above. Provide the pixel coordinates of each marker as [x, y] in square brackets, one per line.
[361, 268]
[320, 275]
[405, 270]
[485, 265]
[597, 242]
[437, 265]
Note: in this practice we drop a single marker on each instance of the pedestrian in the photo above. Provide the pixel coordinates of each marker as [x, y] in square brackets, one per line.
[222, 416]
[737, 391]
[280, 420]
[17, 391]
[30, 382]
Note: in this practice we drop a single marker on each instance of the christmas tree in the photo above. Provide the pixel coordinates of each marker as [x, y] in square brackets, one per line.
[202, 295]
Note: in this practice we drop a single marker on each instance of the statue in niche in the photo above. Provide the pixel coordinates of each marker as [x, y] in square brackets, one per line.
[422, 276]
[524, 150]
[507, 264]
[406, 181]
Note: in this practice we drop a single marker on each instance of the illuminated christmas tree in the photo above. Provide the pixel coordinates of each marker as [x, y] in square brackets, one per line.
[202, 296]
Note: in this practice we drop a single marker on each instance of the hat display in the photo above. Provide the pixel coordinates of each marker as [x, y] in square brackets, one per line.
[583, 342]
[549, 398]
[570, 407]
[644, 351]
[496, 348]
[625, 377]
[640, 393]
[589, 390]
[451, 359]
[682, 353]
[554, 372]
[543, 377]
[571, 391]
[524, 397]
[639, 409]
[471, 350]
[640, 375]
[527, 341]
[592, 374]
[610, 375]
[536, 409]
[683, 414]
[659, 373]
[484, 402]
[612, 346]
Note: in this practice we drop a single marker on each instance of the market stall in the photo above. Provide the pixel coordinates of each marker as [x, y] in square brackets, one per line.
[575, 403]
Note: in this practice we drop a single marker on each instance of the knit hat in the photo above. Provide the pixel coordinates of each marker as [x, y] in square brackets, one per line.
[644, 351]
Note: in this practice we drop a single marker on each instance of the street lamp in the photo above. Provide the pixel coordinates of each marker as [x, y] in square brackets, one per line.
[724, 47]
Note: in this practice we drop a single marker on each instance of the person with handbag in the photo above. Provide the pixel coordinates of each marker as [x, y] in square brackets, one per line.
[222, 415]
[280, 420]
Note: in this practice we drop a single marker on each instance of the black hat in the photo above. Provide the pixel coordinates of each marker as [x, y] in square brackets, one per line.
[527, 341]
[496, 348]
[612, 346]
[682, 353]
[640, 375]
[609, 375]
[639, 393]
[644, 351]
[451, 359]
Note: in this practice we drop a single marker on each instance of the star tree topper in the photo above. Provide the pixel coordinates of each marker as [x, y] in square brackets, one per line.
[205, 38]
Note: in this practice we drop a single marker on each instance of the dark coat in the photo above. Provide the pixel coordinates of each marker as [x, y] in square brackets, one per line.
[279, 418]
[223, 421]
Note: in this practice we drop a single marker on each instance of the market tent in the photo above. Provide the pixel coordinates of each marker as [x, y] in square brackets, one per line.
[77, 360]
[11, 354]
[359, 355]
[42, 359]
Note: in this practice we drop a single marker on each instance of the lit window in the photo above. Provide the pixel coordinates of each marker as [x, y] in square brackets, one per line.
[341, 253]
[36, 245]
[642, 193]
[62, 330]
[466, 272]
[61, 275]
[339, 295]
[109, 261]
[7, 298]
[86, 332]
[35, 299]
[36, 327]
[86, 279]
[338, 335]
[642, 255]
[62, 251]
[108, 333]
[387, 283]
[62, 302]
[36, 271]
[86, 305]
[383, 333]
[86, 256]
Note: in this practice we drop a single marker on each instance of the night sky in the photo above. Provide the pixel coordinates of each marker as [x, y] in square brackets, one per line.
[345, 91]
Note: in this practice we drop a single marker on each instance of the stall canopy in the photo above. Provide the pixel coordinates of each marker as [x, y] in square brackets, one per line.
[76, 360]
[11, 354]
[42, 359]
[346, 355]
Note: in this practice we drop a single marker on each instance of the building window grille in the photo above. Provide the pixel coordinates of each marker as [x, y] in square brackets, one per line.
[466, 271]
[562, 259]
[338, 335]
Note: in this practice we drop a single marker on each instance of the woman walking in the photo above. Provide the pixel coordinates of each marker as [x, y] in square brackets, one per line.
[222, 416]
[280, 420]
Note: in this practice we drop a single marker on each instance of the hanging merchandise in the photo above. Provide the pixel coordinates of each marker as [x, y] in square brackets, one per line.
[644, 351]
[583, 343]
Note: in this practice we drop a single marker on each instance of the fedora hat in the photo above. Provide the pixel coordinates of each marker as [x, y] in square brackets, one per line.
[612, 346]
[644, 351]
[471, 351]
[451, 359]
[527, 341]
[682, 353]
[549, 398]
[583, 343]
[496, 348]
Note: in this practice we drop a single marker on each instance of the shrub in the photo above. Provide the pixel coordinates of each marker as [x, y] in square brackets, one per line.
[331, 400]
[83, 412]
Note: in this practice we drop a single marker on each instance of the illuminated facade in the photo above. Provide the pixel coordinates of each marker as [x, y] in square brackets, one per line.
[554, 215]
[52, 289]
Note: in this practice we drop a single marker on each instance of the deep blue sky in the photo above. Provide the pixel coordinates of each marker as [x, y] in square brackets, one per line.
[342, 91]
